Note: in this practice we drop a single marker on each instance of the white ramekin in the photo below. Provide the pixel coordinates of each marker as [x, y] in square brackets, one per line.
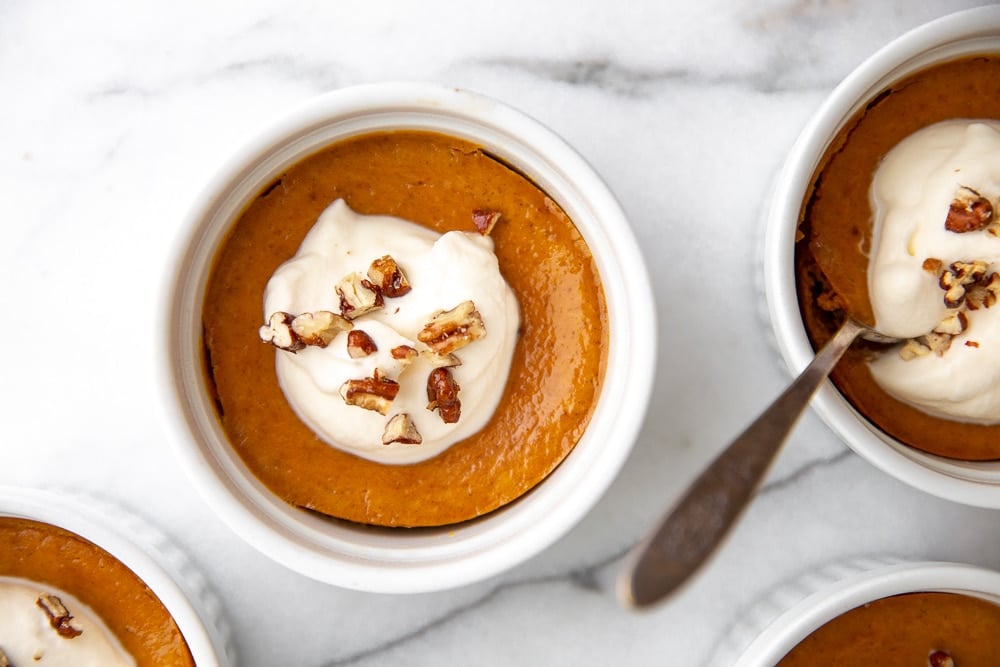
[776, 624]
[971, 31]
[146, 551]
[400, 560]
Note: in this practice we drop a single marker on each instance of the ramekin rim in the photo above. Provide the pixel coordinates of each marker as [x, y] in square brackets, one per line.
[584, 491]
[779, 282]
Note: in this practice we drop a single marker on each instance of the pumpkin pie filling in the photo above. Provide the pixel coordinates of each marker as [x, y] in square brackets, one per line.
[834, 250]
[60, 573]
[910, 630]
[442, 184]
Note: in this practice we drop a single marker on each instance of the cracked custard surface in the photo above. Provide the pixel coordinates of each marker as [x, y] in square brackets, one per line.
[836, 227]
[559, 360]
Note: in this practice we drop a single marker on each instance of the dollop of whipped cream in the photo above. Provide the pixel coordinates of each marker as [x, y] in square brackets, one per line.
[28, 638]
[911, 193]
[443, 272]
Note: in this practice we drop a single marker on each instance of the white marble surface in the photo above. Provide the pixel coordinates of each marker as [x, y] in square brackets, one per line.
[114, 114]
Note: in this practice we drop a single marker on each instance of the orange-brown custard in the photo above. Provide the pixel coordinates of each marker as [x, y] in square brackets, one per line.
[559, 361]
[836, 233]
[903, 631]
[50, 555]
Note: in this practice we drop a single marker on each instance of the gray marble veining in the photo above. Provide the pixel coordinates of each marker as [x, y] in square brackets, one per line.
[114, 116]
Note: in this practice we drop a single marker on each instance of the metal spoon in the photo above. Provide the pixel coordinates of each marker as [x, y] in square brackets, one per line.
[690, 532]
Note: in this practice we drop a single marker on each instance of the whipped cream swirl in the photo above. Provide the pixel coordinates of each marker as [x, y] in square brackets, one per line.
[911, 193]
[28, 638]
[443, 271]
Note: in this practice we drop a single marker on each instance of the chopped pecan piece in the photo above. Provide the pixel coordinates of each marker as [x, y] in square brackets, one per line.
[967, 288]
[984, 292]
[319, 328]
[953, 324]
[358, 296]
[939, 343]
[940, 659]
[935, 342]
[401, 429]
[971, 343]
[969, 272]
[933, 266]
[59, 617]
[441, 360]
[969, 212]
[360, 344]
[375, 393]
[279, 333]
[954, 290]
[485, 220]
[442, 395]
[912, 349]
[388, 277]
[957, 277]
[453, 329]
[404, 353]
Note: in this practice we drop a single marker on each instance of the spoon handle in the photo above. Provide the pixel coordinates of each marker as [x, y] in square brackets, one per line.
[689, 533]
